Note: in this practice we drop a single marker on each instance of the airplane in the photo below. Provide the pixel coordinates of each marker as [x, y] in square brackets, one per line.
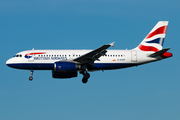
[67, 63]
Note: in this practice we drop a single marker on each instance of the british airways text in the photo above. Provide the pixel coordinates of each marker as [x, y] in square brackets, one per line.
[50, 58]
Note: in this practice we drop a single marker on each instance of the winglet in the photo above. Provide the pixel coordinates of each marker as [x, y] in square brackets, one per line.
[112, 44]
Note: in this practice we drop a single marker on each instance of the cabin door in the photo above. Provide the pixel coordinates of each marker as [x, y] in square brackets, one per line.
[133, 56]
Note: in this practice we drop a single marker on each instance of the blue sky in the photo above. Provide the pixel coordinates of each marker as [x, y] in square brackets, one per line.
[148, 92]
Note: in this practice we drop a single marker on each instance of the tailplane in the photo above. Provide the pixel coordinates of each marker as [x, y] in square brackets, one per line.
[155, 39]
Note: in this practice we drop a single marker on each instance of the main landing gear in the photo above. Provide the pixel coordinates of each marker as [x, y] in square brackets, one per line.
[31, 78]
[86, 76]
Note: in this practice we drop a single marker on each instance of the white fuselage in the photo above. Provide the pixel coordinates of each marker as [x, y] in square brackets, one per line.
[45, 59]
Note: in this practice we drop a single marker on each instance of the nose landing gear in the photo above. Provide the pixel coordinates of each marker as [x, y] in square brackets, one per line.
[31, 78]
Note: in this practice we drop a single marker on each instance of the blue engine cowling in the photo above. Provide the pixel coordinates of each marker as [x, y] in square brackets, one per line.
[65, 66]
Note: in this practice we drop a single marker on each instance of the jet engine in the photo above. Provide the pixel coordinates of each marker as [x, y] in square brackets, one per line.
[63, 66]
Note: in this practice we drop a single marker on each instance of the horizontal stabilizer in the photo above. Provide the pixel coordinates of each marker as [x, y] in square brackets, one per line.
[159, 53]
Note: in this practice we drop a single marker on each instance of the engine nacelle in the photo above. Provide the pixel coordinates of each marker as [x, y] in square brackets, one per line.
[66, 66]
[64, 74]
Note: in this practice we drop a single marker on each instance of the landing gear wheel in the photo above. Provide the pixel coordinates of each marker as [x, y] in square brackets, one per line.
[84, 80]
[86, 77]
[30, 78]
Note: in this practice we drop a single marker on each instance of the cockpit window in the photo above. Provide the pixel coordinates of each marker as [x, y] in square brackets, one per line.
[18, 55]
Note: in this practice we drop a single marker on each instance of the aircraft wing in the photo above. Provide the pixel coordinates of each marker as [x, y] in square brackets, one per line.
[90, 57]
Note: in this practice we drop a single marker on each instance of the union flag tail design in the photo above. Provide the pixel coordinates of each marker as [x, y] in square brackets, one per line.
[155, 39]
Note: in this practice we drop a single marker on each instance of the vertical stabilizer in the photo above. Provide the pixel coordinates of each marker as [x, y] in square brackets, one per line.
[155, 39]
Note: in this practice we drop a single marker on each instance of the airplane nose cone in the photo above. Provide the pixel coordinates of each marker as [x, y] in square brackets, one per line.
[12, 63]
[9, 63]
